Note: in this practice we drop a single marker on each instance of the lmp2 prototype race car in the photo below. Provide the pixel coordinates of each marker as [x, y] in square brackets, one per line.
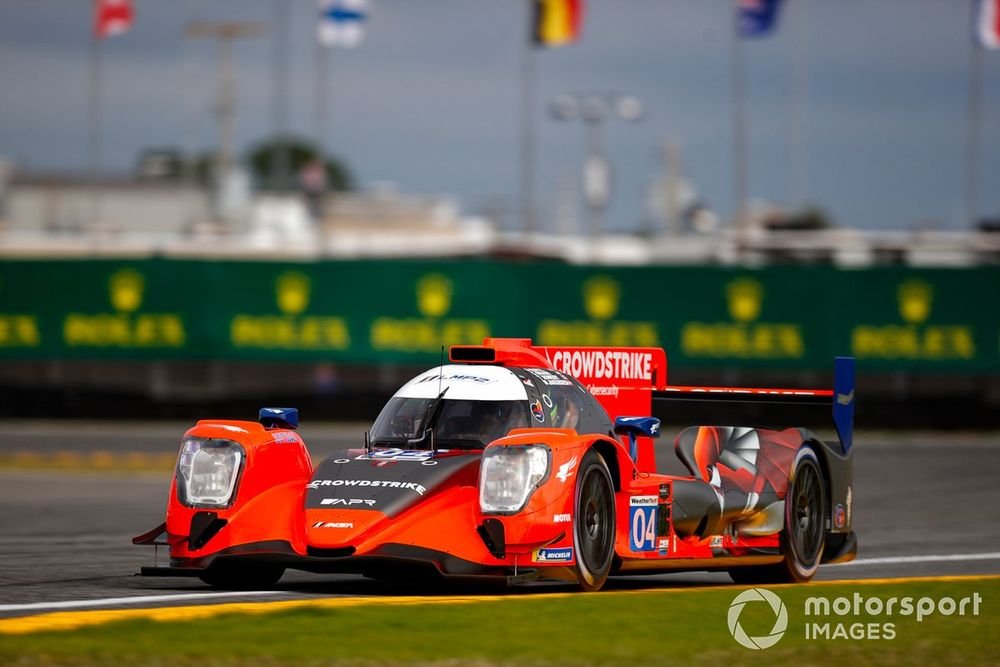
[516, 462]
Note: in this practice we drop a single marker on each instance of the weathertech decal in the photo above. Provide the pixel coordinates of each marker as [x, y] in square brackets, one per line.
[610, 364]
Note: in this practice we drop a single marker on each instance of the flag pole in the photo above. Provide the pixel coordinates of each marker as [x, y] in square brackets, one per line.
[279, 172]
[95, 140]
[972, 133]
[738, 81]
[528, 102]
[321, 111]
[799, 156]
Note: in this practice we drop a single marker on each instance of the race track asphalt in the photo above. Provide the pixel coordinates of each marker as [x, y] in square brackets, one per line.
[925, 504]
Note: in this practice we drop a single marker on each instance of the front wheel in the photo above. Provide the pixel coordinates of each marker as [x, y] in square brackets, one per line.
[594, 528]
[804, 535]
[237, 576]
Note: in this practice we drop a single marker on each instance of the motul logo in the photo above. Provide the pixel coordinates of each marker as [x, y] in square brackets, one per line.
[611, 364]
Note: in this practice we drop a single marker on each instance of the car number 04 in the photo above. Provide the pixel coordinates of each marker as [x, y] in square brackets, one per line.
[643, 522]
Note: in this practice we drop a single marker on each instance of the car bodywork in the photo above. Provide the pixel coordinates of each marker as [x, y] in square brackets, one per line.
[423, 495]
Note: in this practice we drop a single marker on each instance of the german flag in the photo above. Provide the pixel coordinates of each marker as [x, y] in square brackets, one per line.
[557, 22]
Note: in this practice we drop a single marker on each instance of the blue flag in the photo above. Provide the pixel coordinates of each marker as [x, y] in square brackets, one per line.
[757, 18]
[341, 22]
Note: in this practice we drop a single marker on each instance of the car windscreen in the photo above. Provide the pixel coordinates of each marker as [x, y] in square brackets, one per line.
[461, 424]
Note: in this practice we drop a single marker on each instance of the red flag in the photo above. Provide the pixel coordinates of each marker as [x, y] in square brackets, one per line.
[112, 17]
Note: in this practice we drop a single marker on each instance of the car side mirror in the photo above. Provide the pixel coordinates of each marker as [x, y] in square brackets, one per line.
[634, 427]
[279, 417]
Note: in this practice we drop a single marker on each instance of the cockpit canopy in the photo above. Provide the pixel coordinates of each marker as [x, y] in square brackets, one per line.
[461, 424]
[470, 406]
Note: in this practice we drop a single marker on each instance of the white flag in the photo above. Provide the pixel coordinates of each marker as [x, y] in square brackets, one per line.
[342, 22]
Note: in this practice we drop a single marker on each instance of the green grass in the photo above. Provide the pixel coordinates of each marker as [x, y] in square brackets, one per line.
[612, 628]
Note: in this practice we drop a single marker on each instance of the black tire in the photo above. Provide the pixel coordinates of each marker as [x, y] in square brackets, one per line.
[594, 524]
[804, 535]
[237, 576]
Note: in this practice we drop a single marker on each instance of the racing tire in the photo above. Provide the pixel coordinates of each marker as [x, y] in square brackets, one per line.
[804, 535]
[238, 576]
[594, 527]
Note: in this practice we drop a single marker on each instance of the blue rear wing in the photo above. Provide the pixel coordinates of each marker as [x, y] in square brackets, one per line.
[822, 411]
[843, 400]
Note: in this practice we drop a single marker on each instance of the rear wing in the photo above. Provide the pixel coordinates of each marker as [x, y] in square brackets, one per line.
[765, 407]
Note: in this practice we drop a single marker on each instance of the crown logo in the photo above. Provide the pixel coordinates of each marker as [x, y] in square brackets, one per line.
[126, 288]
[434, 295]
[600, 297]
[915, 297]
[744, 296]
[292, 292]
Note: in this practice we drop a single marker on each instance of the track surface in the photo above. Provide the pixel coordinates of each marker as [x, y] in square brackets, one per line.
[65, 536]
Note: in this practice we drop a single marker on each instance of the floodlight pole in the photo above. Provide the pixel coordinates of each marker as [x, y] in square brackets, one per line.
[225, 33]
[96, 139]
[280, 160]
[972, 134]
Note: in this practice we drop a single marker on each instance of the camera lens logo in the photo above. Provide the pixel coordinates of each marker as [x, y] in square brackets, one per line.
[780, 619]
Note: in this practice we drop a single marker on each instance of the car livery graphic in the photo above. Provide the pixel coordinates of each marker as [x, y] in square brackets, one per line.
[518, 462]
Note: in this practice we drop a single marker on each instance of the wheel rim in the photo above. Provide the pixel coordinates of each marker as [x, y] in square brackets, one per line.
[594, 525]
[807, 514]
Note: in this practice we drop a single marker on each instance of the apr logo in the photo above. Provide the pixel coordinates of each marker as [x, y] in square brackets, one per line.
[914, 338]
[128, 327]
[433, 330]
[292, 329]
[751, 598]
[743, 337]
[601, 301]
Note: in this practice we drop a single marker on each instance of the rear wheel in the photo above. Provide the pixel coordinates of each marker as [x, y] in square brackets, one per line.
[237, 576]
[804, 535]
[594, 528]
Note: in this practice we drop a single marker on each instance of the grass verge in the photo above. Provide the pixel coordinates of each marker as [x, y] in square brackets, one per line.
[610, 628]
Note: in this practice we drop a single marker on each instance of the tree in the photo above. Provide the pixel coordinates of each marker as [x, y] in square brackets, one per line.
[300, 152]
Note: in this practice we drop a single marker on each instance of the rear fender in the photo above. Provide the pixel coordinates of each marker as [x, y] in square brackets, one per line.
[838, 470]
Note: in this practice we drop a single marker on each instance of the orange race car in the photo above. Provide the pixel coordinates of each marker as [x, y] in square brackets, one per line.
[521, 462]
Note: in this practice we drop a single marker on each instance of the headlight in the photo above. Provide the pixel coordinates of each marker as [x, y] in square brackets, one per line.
[509, 475]
[207, 471]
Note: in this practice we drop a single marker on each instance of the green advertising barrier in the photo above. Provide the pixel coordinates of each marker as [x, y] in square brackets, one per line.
[373, 311]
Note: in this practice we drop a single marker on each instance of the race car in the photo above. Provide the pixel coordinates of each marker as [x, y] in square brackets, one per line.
[517, 462]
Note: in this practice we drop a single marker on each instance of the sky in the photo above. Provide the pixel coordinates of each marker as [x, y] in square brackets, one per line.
[431, 101]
